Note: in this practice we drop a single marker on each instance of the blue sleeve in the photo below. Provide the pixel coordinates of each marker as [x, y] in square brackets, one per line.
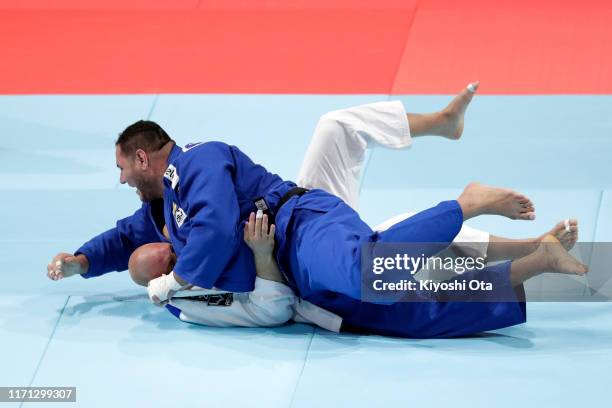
[111, 250]
[213, 245]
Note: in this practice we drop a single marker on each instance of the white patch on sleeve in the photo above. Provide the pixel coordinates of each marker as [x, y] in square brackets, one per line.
[179, 215]
[172, 175]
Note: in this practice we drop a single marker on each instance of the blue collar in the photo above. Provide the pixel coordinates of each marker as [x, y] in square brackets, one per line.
[174, 153]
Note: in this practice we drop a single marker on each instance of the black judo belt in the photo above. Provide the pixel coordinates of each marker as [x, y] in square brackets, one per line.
[217, 299]
[262, 204]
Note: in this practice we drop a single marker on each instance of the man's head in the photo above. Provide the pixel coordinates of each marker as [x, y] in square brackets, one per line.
[150, 261]
[141, 153]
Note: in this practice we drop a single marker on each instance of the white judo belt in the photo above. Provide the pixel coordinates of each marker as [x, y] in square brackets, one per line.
[306, 312]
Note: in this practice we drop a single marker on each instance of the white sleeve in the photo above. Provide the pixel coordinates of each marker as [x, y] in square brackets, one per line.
[269, 304]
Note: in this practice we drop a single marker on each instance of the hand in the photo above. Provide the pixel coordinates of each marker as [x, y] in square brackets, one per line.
[161, 289]
[64, 265]
[257, 236]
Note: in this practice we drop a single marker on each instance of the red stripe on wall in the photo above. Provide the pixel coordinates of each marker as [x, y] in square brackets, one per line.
[201, 51]
[339, 47]
[513, 48]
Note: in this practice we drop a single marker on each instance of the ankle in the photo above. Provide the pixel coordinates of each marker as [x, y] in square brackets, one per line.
[545, 260]
[468, 209]
[445, 116]
[533, 243]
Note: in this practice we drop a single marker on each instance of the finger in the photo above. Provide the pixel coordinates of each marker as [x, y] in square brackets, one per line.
[264, 225]
[257, 227]
[245, 232]
[251, 225]
[272, 231]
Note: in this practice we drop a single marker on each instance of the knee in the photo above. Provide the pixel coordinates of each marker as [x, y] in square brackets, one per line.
[330, 123]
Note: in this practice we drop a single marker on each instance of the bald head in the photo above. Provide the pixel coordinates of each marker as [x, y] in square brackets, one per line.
[150, 261]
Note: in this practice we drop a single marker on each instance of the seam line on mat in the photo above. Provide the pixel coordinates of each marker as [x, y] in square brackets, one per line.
[153, 105]
[297, 383]
[44, 353]
[593, 243]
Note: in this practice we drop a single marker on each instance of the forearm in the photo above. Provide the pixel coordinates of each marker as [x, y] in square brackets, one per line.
[180, 280]
[105, 253]
[267, 268]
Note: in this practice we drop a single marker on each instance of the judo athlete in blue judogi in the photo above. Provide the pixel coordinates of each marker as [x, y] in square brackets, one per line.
[208, 189]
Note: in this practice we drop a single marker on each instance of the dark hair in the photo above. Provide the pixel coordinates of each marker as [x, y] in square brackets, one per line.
[145, 135]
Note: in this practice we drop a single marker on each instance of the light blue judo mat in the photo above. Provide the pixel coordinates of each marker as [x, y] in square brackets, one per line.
[60, 187]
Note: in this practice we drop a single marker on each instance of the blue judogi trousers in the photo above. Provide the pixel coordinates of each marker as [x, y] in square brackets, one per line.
[321, 239]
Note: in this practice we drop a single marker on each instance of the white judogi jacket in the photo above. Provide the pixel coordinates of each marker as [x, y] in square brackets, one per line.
[269, 304]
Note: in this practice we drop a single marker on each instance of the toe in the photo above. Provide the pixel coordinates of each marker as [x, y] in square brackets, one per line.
[528, 209]
[473, 86]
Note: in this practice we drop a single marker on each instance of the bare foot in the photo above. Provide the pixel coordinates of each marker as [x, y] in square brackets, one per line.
[453, 114]
[479, 199]
[558, 259]
[566, 238]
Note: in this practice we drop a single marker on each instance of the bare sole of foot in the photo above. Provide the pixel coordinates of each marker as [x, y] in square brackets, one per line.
[566, 238]
[558, 259]
[481, 199]
[454, 113]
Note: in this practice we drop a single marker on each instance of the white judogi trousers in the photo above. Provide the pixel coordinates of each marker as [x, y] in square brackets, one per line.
[336, 154]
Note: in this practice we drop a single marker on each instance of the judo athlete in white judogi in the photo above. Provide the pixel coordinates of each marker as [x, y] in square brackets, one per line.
[207, 189]
[333, 163]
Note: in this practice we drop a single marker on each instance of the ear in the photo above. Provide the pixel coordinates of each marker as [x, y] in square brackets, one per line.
[142, 160]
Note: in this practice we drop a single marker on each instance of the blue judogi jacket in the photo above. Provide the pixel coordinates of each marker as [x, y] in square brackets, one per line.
[209, 190]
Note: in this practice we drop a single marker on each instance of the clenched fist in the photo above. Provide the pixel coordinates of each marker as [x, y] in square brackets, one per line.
[64, 265]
